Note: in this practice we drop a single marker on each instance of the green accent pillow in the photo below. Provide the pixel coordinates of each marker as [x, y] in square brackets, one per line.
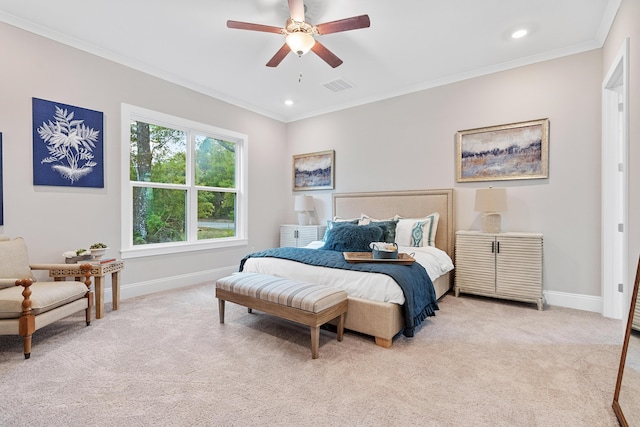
[388, 230]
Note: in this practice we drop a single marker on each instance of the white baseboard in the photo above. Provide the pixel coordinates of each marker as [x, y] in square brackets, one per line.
[577, 301]
[561, 299]
[167, 283]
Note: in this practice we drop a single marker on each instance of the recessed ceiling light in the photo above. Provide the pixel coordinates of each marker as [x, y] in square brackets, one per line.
[288, 102]
[519, 34]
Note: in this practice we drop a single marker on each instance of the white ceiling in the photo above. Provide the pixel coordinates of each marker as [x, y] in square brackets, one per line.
[411, 44]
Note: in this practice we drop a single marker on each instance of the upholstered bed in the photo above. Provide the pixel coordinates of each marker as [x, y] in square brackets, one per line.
[377, 317]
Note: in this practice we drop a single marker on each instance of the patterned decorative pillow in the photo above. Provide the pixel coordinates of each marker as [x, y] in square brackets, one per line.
[352, 238]
[417, 232]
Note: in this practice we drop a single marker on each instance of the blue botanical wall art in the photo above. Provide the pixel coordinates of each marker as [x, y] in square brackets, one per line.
[1, 187]
[68, 148]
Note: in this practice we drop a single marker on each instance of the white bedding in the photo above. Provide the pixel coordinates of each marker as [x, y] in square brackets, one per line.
[372, 286]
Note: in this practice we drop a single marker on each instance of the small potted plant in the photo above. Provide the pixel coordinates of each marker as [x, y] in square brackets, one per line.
[97, 250]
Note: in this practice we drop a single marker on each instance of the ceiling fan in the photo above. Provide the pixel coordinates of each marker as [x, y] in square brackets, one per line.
[300, 34]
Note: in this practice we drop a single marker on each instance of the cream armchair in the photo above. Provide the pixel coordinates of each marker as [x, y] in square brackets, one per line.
[27, 305]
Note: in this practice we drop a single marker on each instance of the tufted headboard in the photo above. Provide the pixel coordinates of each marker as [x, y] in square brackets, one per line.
[409, 204]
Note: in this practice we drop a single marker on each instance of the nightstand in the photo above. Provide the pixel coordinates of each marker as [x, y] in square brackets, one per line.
[499, 265]
[298, 236]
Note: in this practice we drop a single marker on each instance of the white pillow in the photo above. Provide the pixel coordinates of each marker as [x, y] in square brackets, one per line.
[417, 232]
[366, 219]
[434, 260]
[340, 219]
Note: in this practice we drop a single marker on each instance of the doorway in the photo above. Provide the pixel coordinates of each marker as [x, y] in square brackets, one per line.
[616, 291]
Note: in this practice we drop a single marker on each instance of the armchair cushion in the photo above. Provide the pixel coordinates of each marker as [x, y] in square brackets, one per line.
[14, 261]
[8, 283]
[45, 296]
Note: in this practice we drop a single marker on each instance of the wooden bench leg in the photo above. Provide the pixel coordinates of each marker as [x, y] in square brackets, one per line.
[315, 341]
[341, 327]
[221, 309]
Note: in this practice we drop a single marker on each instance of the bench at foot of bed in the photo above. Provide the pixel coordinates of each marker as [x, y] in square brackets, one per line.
[307, 303]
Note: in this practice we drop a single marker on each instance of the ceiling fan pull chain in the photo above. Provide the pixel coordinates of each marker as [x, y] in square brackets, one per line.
[300, 78]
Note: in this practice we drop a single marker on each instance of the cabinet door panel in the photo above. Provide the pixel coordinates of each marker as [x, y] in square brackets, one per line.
[519, 267]
[307, 235]
[300, 235]
[287, 236]
[475, 264]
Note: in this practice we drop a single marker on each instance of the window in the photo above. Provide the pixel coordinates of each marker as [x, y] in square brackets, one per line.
[185, 187]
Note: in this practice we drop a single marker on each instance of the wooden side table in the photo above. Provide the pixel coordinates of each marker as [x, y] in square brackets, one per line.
[59, 272]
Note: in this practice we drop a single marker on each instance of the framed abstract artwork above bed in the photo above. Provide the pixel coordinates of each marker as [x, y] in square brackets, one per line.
[503, 152]
[314, 171]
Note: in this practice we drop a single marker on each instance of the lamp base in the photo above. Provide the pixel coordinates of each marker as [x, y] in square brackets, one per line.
[303, 218]
[491, 222]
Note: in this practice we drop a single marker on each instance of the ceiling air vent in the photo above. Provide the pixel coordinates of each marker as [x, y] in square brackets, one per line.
[338, 85]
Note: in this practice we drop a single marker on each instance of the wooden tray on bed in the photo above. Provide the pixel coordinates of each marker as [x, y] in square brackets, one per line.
[403, 259]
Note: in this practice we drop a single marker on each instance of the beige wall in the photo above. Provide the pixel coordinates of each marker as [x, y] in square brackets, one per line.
[401, 143]
[56, 219]
[408, 143]
[627, 25]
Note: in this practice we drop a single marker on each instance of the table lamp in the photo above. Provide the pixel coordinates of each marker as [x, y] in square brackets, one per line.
[303, 205]
[490, 201]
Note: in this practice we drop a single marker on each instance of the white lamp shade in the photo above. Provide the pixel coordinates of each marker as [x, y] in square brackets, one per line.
[491, 200]
[300, 42]
[303, 204]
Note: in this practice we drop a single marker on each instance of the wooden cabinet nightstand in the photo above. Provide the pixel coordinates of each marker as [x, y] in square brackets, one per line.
[298, 236]
[502, 265]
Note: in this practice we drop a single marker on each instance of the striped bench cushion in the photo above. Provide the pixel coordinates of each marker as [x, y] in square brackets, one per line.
[304, 296]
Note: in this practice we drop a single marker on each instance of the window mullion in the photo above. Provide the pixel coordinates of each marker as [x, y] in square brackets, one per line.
[192, 193]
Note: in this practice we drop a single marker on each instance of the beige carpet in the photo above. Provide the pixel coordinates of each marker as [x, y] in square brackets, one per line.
[164, 359]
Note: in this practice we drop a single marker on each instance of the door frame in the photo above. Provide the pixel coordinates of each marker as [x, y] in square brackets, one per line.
[615, 186]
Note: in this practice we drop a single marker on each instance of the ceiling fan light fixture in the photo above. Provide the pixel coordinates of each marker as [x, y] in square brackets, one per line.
[300, 42]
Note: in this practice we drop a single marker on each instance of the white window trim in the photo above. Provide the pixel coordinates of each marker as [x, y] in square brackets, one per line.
[128, 250]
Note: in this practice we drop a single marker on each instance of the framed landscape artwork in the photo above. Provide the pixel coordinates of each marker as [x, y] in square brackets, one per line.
[68, 148]
[314, 171]
[504, 152]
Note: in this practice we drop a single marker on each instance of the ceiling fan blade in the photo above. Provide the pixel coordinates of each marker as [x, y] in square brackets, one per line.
[254, 27]
[279, 56]
[326, 55]
[346, 24]
[296, 9]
